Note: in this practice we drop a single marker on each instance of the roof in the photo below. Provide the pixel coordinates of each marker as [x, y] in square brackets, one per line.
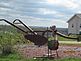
[79, 15]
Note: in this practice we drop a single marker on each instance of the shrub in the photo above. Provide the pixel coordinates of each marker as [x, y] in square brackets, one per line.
[6, 49]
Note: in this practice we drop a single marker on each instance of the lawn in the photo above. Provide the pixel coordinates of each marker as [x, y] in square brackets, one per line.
[65, 39]
[17, 57]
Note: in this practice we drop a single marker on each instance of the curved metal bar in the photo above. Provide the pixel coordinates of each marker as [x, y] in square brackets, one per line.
[25, 26]
[13, 25]
[60, 34]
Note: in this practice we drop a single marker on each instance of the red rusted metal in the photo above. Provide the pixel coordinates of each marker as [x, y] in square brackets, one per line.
[37, 39]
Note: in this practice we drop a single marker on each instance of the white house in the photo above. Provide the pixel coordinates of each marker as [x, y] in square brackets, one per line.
[74, 24]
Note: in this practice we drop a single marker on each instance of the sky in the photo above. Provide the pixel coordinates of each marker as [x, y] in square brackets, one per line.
[40, 12]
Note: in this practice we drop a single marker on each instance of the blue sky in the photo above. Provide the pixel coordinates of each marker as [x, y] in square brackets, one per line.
[40, 12]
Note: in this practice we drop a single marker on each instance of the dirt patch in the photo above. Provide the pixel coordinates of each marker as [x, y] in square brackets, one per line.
[63, 51]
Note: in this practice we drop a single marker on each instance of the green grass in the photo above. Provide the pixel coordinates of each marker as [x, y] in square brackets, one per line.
[12, 57]
[17, 57]
[65, 39]
[70, 59]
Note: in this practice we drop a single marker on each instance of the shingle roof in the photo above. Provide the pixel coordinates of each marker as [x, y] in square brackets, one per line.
[79, 15]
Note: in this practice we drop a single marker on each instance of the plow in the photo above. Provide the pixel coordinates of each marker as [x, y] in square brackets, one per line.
[40, 40]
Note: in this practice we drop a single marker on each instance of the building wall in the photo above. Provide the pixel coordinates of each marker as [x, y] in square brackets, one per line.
[73, 26]
[79, 25]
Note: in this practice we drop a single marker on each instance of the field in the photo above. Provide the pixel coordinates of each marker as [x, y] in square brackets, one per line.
[9, 37]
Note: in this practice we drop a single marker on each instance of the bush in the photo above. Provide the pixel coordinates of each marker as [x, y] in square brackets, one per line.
[8, 40]
[6, 49]
[79, 38]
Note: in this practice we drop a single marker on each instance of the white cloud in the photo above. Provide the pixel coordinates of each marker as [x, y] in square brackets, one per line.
[59, 23]
[65, 3]
[4, 5]
[40, 12]
[70, 4]
[46, 11]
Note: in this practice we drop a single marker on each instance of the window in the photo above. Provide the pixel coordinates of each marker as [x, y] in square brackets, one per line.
[72, 25]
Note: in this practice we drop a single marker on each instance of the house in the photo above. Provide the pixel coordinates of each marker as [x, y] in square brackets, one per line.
[74, 24]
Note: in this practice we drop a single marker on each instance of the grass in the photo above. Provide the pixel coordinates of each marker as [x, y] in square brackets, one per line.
[65, 39]
[17, 57]
[70, 59]
[12, 57]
